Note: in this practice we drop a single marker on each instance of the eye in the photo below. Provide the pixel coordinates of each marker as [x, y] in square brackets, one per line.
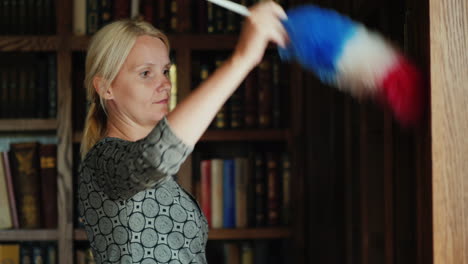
[145, 74]
[166, 72]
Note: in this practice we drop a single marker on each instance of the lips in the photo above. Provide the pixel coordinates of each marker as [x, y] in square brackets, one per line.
[163, 101]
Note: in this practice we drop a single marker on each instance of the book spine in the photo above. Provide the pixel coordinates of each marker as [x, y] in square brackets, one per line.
[105, 12]
[13, 91]
[22, 17]
[264, 93]
[147, 9]
[5, 211]
[10, 253]
[217, 193]
[121, 9]
[251, 95]
[92, 16]
[273, 208]
[42, 91]
[11, 190]
[4, 89]
[235, 109]
[52, 81]
[241, 178]
[210, 23]
[134, 8]
[174, 87]
[22, 106]
[277, 98]
[26, 183]
[31, 97]
[260, 192]
[205, 169]
[39, 17]
[48, 176]
[286, 199]
[37, 254]
[229, 199]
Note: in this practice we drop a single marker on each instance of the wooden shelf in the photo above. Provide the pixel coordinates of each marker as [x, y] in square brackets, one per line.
[227, 234]
[249, 233]
[29, 235]
[178, 41]
[29, 43]
[245, 135]
[230, 135]
[28, 124]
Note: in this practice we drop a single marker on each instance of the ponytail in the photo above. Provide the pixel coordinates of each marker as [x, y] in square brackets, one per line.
[95, 128]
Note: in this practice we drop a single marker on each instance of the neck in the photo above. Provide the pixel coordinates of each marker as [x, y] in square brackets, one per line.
[126, 129]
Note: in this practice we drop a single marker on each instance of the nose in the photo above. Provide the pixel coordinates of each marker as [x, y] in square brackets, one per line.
[164, 85]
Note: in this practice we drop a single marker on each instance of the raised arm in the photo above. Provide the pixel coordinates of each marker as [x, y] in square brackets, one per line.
[191, 117]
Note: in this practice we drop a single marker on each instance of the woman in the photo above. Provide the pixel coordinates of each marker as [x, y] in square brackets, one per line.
[134, 211]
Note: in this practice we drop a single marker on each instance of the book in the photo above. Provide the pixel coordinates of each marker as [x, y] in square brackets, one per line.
[52, 85]
[4, 92]
[241, 179]
[121, 9]
[24, 168]
[286, 197]
[264, 93]
[79, 17]
[147, 10]
[105, 12]
[134, 9]
[229, 199]
[174, 88]
[217, 193]
[205, 179]
[246, 253]
[260, 190]
[10, 253]
[48, 176]
[92, 16]
[273, 189]
[231, 253]
[250, 100]
[5, 211]
[26, 253]
[11, 191]
[37, 254]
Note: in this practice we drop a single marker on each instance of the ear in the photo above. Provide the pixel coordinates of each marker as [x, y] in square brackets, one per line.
[98, 83]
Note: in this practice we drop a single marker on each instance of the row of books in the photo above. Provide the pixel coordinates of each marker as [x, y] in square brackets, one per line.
[27, 17]
[28, 186]
[247, 252]
[28, 85]
[28, 252]
[245, 192]
[260, 102]
[166, 15]
[91, 15]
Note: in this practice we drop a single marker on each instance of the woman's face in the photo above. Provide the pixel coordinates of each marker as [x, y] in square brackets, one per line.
[141, 90]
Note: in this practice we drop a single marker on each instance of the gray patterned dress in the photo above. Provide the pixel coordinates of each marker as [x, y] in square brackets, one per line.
[134, 211]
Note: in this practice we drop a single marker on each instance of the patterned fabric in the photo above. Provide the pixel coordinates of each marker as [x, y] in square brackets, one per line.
[134, 211]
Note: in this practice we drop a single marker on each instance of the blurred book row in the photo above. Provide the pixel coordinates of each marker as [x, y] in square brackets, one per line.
[28, 184]
[245, 192]
[28, 85]
[172, 16]
[27, 17]
[28, 253]
[261, 101]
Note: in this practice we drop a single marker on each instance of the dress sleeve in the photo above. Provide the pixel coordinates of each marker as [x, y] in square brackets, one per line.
[122, 169]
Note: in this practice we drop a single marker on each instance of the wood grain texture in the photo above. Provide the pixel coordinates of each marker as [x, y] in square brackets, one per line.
[28, 124]
[29, 43]
[28, 235]
[449, 100]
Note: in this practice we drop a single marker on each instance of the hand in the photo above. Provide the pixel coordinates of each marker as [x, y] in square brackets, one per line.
[262, 26]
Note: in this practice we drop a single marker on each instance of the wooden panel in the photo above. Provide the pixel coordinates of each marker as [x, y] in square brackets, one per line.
[29, 43]
[449, 93]
[28, 124]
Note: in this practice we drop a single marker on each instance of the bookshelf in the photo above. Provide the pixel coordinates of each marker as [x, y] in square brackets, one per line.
[64, 44]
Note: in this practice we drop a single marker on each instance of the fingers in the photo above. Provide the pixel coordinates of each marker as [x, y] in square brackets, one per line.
[267, 17]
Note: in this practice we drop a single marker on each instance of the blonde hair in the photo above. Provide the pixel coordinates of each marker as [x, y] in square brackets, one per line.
[107, 52]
